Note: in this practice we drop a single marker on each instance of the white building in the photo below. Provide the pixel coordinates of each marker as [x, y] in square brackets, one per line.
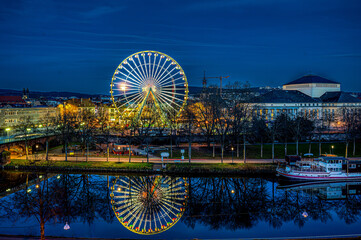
[313, 86]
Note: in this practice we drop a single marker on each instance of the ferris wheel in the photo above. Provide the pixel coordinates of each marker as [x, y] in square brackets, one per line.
[149, 204]
[149, 80]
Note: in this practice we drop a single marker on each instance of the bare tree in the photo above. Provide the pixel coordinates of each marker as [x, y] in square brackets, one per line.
[301, 127]
[48, 128]
[25, 126]
[65, 122]
[259, 131]
[104, 127]
[189, 120]
[86, 127]
[274, 131]
[350, 121]
[223, 120]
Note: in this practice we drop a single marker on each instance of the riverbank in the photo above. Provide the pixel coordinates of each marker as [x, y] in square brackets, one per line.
[143, 168]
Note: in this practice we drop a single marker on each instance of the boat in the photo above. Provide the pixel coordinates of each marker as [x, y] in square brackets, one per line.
[323, 168]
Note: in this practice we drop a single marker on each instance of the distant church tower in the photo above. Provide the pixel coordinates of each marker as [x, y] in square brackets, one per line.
[25, 93]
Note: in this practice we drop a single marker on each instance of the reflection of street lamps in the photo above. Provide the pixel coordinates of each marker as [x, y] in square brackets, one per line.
[232, 153]
[66, 226]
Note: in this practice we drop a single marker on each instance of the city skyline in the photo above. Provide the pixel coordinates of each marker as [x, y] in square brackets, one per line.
[76, 47]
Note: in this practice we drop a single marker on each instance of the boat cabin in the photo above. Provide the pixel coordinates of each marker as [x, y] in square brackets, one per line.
[353, 166]
[331, 164]
[292, 159]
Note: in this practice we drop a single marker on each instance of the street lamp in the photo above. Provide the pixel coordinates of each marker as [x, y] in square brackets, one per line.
[118, 154]
[232, 153]
[332, 149]
[7, 131]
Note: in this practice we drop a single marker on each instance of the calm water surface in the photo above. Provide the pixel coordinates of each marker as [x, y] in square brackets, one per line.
[165, 207]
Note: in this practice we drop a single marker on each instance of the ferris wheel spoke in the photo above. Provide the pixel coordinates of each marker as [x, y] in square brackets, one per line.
[145, 65]
[165, 78]
[170, 206]
[141, 66]
[168, 71]
[123, 93]
[130, 72]
[175, 84]
[138, 100]
[131, 211]
[165, 71]
[149, 64]
[172, 80]
[137, 71]
[153, 66]
[136, 216]
[173, 93]
[165, 102]
[160, 68]
[127, 76]
[172, 97]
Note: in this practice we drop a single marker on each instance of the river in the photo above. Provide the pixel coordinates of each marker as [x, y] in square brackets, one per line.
[173, 207]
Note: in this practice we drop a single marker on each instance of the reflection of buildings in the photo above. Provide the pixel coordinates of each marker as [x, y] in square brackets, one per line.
[149, 204]
[327, 191]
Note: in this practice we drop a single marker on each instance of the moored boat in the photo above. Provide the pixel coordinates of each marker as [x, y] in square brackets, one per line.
[322, 168]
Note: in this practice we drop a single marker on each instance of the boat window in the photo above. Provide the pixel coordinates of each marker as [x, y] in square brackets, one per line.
[352, 165]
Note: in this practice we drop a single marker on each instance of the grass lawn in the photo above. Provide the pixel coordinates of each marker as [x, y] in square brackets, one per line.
[85, 165]
[171, 168]
[224, 166]
[254, 151]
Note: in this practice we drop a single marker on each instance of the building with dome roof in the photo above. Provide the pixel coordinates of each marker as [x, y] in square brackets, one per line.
[312, 96]
[313, 86]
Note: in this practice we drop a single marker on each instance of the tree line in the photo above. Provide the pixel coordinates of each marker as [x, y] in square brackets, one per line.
[228, 120]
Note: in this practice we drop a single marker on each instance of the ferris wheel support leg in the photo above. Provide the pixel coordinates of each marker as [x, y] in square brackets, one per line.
[161, 112]
[141, 107]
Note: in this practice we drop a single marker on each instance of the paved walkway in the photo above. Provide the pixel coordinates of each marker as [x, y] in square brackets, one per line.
[151, 159]
[158, 160]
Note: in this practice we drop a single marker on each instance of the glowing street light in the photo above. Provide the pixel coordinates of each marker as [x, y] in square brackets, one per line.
[232, 153]
[7, 131]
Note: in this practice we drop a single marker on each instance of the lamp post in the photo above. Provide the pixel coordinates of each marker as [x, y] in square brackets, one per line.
[332, 149]
[7, 131]
[232, 153]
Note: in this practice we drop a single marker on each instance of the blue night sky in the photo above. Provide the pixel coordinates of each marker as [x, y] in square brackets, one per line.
[76, 45]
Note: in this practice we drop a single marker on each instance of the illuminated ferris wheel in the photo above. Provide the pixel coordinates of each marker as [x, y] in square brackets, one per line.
[149, 204]
[149, 80]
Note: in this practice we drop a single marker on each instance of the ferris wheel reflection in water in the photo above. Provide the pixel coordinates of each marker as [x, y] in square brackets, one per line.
[149, 204]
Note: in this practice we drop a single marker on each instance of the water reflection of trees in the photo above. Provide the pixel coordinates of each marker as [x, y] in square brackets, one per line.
[61, 198]
[240, 203]
[219, 203]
